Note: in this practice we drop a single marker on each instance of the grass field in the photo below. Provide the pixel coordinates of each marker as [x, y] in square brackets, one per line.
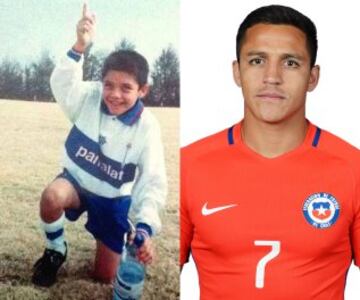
[31, 138]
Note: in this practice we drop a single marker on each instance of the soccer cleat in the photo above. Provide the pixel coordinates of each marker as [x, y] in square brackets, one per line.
[47, 266]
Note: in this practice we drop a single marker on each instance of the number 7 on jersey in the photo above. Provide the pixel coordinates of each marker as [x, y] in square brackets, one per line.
[260, 268]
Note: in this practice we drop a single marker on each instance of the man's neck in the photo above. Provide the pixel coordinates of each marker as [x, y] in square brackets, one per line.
[273, 139]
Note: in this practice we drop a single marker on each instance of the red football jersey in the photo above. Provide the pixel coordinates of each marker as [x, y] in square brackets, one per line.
[284, 228]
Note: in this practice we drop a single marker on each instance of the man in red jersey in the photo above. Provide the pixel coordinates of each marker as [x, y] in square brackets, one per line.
[270, 207]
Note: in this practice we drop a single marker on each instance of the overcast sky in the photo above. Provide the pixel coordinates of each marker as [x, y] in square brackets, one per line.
[30, 26]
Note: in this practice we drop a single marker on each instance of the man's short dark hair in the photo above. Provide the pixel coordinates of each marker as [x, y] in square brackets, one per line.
[280, 15]
[128, 61]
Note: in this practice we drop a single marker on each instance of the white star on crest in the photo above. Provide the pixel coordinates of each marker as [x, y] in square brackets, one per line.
[321, 210]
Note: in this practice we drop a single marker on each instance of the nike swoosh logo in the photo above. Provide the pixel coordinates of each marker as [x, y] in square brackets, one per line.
[209, 211]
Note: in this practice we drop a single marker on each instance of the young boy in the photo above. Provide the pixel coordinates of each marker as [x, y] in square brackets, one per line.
[113, 160]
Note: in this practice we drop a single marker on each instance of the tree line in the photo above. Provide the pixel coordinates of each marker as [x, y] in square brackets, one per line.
[31, 82]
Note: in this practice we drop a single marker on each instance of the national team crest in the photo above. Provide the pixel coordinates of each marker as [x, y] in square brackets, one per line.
[321, 210]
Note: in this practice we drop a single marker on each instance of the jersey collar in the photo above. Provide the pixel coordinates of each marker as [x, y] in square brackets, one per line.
[129, 117]
[311, 140]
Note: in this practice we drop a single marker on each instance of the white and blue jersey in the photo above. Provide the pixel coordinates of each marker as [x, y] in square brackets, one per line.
[111, 156]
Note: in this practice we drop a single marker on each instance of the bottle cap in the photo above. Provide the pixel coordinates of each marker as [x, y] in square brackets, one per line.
[139, 240]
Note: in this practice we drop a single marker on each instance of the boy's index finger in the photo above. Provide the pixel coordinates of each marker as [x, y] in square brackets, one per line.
[86, 14]
[85, 9]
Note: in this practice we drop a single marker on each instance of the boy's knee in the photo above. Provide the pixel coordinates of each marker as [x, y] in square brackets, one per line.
[106, 264]
[51, 198]
[104, 276]
[105, 271]
[52, 204]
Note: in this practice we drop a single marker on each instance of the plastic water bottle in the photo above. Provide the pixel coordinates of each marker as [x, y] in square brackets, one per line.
[129, 282]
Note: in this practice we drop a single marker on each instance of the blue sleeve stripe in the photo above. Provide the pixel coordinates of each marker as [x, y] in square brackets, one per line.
[231, 135]
[54, 235]
[317, 137]
[74, 55]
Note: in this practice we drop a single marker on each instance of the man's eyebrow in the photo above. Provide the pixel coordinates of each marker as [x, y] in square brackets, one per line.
[283, 56]
[256, 53]
[292, 55]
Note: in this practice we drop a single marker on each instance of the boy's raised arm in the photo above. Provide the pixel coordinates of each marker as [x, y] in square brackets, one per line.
[66, 81]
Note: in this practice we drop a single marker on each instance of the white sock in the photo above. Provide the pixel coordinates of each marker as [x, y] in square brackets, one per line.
[54, 234]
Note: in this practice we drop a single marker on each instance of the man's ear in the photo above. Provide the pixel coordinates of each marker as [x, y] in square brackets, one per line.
[314, 78]
[144, 90]
[236, 73]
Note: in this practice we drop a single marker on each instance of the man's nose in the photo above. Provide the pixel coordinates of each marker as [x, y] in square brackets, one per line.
[273, 73]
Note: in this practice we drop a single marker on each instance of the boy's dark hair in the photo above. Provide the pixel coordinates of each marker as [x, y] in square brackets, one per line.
[128, 61]
[280, 15]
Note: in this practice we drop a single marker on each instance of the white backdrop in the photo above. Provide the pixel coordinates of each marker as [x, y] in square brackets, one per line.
[210, 101]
